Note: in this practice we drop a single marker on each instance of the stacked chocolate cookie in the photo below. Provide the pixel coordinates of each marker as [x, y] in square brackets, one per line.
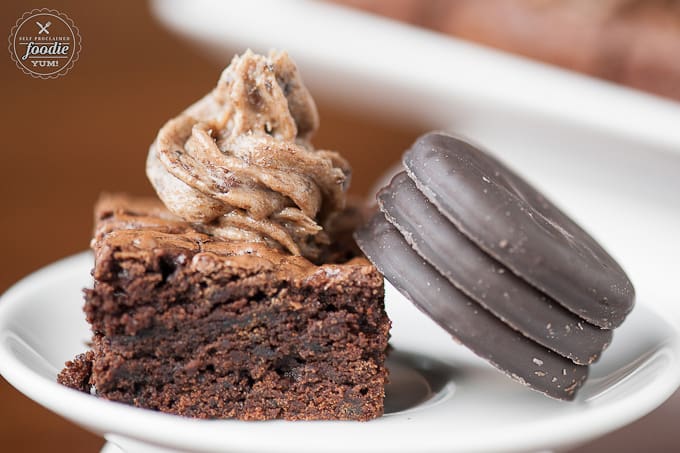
[497, 265]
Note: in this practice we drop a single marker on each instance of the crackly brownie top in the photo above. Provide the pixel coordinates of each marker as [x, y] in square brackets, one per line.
[138, 228]
[240, 161]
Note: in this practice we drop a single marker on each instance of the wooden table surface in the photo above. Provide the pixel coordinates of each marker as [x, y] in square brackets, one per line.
[68, 139]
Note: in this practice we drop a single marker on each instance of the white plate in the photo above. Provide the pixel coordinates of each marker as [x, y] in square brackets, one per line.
[442, 397]
[363, 61]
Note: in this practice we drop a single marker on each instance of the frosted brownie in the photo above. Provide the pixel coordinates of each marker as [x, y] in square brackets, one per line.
[240, 298]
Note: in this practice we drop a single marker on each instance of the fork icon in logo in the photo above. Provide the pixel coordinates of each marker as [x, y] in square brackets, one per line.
[43, 28]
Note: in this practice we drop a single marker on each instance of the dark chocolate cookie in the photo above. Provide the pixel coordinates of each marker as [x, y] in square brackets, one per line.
[514, 223]
[466, 320]
[484, 279]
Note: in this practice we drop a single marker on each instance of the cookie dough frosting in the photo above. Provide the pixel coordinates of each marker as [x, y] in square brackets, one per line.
[240, 165]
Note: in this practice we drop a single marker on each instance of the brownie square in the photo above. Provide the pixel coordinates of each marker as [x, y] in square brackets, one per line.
[188, 324]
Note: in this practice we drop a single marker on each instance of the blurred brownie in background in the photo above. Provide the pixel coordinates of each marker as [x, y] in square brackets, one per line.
[631, 42]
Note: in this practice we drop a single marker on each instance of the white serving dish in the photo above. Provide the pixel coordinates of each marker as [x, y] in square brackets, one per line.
[442, 398]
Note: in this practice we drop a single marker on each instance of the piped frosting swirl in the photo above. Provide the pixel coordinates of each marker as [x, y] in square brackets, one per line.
[240, 165]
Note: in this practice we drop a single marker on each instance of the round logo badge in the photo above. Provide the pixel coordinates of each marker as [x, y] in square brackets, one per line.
[44, 43]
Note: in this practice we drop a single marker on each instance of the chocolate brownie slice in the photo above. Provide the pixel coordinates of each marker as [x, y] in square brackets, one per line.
[189, 324]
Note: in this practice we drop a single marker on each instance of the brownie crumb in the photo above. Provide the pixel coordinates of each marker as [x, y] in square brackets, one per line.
[77, 372]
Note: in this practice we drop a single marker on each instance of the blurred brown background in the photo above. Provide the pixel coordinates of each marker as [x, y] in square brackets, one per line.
[68, 139]
[631, 42]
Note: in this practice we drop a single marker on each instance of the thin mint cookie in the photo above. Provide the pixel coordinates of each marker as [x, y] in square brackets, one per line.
[468, 322]
[513, 222]
[484, 279]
